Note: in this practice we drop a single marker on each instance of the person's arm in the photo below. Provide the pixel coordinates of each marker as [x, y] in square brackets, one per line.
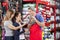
[28, 26]
[40, 22]
[13, 27]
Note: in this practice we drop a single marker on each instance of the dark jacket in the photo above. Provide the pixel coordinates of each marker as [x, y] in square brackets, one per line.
[17, 32]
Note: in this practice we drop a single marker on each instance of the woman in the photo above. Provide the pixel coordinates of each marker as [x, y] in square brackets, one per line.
[16, 21]
[9, 26]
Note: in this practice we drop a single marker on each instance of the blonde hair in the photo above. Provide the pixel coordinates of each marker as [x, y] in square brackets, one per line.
[7, 18]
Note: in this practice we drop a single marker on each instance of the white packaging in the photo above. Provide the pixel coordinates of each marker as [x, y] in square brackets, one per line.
[59, 24]
[57, 17]
[51, 39]
[48, 12]
[57, 35]
[57, 11]
[52, 25]
[46, 30]
[51, 10]
[25, 8]
[52, 18]
[52, 2]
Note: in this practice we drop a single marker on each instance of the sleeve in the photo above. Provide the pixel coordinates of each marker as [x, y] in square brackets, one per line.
[6, 23]
[9, 22]
[40, 18]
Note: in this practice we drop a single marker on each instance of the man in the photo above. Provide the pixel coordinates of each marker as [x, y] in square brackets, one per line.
[36, 22]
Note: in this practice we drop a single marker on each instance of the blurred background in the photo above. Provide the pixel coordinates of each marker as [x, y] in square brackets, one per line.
[50, 10]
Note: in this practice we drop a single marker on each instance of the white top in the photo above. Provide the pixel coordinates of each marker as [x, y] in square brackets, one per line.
[8, 31]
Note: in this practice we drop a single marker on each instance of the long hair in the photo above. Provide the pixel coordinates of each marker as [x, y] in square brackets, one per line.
[11, 12]
[14, 17]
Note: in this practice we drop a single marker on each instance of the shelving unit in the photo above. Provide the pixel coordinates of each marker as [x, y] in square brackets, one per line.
[47, 17]
[54, 14]
[58, 19]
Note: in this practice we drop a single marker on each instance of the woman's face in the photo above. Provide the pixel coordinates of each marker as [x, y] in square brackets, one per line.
[9, 14]
[18, 17]
[12, 15]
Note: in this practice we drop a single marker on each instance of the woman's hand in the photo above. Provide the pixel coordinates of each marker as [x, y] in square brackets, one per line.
[23, 25]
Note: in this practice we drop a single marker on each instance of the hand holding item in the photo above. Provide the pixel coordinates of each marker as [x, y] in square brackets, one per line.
[24, 24]
[32, 21]
[20, 25]
[33, 18]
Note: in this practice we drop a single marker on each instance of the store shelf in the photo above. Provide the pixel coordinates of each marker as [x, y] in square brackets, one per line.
[57, 14]
[52, 22]
[47, 17]
[58, 21]
[58, 29]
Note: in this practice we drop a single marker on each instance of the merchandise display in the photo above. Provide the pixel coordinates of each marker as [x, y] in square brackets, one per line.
[46, 12]
[47, 8]
[57, 22]
[39, 19]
